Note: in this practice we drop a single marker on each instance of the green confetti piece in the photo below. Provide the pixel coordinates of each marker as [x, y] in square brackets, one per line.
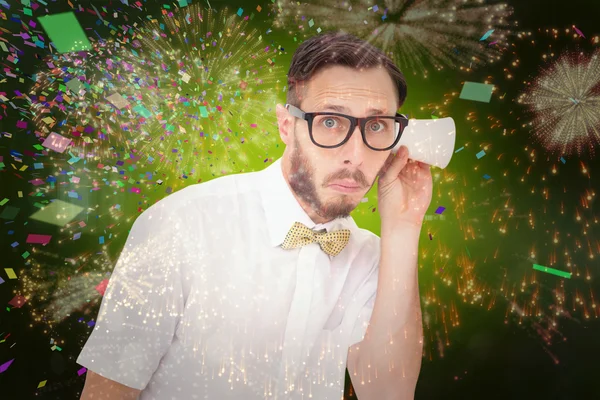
[476, 92]
[48, 213]
[552, 271]
[203, 112]
[65, 32]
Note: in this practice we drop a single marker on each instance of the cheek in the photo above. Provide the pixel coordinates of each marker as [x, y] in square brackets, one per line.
[318, 176]
[319, 163]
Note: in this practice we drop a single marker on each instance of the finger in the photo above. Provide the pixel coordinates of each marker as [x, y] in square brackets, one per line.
[397, 164]
[423, 166]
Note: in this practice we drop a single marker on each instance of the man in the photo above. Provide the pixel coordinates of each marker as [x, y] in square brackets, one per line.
[260, 285]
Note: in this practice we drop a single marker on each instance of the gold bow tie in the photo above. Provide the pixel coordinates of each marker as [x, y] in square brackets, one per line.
[332, 243]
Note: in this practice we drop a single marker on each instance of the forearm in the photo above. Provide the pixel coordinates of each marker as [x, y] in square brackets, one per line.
[390, 353]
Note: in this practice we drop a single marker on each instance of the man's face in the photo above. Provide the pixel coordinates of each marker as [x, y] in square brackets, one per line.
[311, 170]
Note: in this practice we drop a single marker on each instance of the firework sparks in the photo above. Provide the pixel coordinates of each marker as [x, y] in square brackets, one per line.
[186, 88]
[565, 102]
[534, 207]
[417, 34]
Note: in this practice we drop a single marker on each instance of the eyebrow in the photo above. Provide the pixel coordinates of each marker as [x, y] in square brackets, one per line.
[343, 109]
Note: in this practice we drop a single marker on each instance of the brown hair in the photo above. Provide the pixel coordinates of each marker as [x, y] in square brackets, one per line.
[337, 48]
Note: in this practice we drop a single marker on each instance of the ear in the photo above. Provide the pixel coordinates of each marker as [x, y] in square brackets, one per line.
[285, 122]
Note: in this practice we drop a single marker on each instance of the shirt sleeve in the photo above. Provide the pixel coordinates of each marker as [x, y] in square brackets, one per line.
[142, 303]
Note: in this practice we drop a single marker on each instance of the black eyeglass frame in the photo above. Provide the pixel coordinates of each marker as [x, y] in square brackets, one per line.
[354, 121]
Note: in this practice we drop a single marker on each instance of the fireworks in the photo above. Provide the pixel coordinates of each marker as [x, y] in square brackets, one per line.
[193, 85]
[191, 94]
[417, 34]
[186, 95]
[518, 205]
[565, 102]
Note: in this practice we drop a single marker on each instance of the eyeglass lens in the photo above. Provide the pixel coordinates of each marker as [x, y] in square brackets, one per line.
[331, 130]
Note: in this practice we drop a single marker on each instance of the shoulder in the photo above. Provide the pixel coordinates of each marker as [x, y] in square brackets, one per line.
[364, 252]
[202, 199]
[367, 240]
[369, 252]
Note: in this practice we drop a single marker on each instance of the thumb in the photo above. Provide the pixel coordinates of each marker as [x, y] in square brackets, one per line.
[394, 164]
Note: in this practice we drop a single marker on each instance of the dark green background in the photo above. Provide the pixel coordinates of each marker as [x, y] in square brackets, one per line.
[487, 359]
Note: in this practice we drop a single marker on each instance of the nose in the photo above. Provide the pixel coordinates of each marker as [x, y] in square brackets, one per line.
[355, 148]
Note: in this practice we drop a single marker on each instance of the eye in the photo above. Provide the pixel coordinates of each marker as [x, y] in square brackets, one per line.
[378, 125]
[329, 122]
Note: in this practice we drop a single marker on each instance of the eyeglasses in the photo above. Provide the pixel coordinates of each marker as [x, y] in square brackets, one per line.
[330, 129]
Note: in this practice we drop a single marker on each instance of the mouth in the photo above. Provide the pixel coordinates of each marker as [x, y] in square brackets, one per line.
[344, 188]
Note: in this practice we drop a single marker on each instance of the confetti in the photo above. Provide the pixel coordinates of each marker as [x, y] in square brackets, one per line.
[10, 273]
[477, 92]
[552, 271]
[56, 142]
[101, 287]
[39, 239]
[5, 366]
[18, 301]
[57, 213]
[117, 100]
[487, 34]
[65, 32]
[579, 32]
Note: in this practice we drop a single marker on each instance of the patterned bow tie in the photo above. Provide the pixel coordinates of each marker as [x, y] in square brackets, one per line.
[332, 243]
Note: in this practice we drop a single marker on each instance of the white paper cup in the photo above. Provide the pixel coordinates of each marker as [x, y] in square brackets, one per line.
[429, 140]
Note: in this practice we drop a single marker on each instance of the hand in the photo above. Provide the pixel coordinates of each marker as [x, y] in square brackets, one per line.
[404, 190]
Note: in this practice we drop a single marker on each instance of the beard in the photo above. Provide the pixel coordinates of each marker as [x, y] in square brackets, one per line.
[301, 180]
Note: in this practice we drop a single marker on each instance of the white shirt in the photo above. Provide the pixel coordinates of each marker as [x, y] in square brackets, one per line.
[204, 303]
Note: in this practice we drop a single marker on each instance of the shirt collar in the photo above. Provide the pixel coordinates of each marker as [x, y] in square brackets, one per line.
[282, 209]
